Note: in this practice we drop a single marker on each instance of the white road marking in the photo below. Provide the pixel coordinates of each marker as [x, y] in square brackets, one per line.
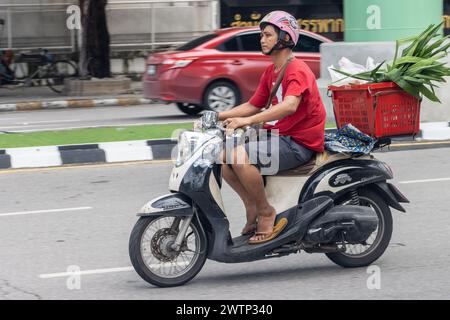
[53, 121]
[85, 166]
[96, 271]
[102, 271]
[44, 211]
[4, 119]
[26, 125]
[425, 181]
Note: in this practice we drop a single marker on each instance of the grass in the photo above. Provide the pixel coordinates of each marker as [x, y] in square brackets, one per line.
[93, 135]
[90, 135]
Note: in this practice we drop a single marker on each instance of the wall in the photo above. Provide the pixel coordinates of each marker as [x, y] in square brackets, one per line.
[132, 25]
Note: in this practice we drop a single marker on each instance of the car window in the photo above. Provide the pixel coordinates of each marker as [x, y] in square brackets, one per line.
[197, 42]
[251, 42]
[229, 45]
[307, 44]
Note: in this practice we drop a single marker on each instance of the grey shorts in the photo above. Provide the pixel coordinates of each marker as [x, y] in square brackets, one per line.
[277, 153]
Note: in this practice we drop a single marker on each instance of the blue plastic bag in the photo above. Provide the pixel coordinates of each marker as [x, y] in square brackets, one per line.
[349, 139]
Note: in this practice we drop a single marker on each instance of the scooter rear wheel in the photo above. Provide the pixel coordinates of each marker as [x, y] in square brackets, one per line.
[154, 260]
[377, 242]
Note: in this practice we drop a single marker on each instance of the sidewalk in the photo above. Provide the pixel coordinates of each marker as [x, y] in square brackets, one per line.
[16, 98]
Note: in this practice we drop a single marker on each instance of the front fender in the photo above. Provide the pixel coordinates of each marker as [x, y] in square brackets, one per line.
[175, 204]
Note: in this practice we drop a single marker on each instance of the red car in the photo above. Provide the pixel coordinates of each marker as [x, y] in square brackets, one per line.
[219, 70]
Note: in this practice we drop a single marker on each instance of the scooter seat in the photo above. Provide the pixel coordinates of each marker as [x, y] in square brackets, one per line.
[318, 160]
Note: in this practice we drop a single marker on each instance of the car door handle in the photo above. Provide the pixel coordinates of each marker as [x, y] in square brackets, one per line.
[237, 62]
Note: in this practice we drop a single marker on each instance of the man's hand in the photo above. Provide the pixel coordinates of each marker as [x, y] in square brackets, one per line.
[234, 123]
[197, 125]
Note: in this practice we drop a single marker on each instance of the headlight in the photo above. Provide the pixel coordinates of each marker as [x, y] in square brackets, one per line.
[212, 151]
[188, 143]
[182, 63]
[177, 63]
[183, 150]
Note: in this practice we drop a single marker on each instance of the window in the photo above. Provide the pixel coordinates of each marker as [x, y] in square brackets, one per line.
[251, 42]
[307, 44]
[229, 45]
[196, 42]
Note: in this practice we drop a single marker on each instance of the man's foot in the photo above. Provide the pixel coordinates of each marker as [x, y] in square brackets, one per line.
[250, 226]
[265, 237]
[266, 220]
[248, 229]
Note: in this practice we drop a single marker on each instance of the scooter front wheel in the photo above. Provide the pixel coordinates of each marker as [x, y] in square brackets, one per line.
[152, 254]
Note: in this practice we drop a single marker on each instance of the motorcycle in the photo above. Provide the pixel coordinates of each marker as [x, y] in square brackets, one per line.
[336, 204]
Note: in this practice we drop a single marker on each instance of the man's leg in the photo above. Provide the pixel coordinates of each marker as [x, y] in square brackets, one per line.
[252, 182]
[250, 206]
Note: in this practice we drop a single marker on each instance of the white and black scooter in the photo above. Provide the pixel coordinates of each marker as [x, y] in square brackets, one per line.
[337, 204]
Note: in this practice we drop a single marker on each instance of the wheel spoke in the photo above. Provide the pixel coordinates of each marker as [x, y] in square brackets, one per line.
[373, 239]
[157, 253]
[215, 97]
[215, 104]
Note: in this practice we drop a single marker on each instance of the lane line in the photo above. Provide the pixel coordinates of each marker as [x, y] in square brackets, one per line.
[82, 166]
[44, 211]
[425, 181]
[52, 121]
[4, 119]
[96, 271]
[103, 271]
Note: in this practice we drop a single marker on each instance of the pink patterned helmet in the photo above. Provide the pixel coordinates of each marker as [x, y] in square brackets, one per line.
[283, 21]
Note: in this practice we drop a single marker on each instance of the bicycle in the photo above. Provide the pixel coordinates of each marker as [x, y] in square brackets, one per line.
[53, 72]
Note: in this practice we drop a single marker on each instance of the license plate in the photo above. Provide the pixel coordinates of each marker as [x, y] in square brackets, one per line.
[151, 71]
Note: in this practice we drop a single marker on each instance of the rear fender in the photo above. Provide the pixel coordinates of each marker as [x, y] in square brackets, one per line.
[340, 177]
[390, 194]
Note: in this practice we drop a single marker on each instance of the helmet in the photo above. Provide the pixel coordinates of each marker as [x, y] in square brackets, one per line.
[286, 23]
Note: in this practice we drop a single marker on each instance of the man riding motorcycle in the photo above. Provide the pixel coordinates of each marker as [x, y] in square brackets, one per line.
[297, 115]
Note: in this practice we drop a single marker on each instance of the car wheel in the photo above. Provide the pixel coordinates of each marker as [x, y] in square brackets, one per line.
[221, 96]
[189, 108]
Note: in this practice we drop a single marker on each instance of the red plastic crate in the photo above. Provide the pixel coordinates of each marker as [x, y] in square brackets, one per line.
[377, 109]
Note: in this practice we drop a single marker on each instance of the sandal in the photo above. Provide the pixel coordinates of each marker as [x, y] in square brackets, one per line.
[267, 236]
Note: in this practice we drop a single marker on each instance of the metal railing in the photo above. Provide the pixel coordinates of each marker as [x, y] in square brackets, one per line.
[15, 33]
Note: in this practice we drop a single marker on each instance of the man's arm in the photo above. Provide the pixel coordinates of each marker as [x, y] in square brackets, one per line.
[287, 107]
[244, 110]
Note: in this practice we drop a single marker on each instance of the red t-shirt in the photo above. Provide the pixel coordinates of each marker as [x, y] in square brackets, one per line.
[307, 125]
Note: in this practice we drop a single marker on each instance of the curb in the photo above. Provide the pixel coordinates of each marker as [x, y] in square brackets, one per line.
[107, 152]
[125, 151]
[73, 103]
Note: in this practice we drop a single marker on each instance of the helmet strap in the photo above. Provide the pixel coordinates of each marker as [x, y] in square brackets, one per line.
[281, 43]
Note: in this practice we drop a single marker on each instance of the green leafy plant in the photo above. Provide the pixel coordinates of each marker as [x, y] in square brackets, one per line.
[418, 69]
